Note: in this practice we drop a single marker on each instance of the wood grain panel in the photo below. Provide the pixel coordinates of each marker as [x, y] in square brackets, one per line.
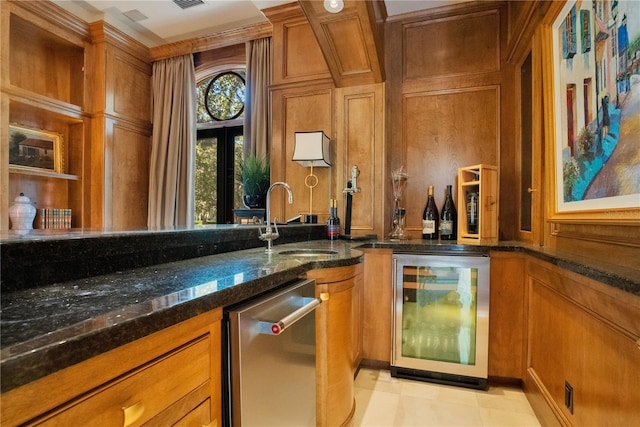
[377, 305]
[129, 84]
[360, 113]
[351, 40]
[130, 152]
[24, 403]
[465, 44]
[300, 109]
[296, 55]
[443, 132]
[352, 55]
[335, 343]
[586, 333]
[303, 57]
[506, 316]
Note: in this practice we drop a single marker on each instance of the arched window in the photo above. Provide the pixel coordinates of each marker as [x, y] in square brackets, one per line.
[219, 148]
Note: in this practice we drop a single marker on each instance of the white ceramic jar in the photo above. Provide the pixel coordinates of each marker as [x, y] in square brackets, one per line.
[22, 213]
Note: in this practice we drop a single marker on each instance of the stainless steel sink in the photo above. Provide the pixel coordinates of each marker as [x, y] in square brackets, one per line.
[309, 252]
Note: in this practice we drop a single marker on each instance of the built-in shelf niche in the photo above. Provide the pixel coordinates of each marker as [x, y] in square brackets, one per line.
[44, 63]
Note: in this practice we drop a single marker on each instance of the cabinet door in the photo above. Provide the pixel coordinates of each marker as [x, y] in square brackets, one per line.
[357, 316]
[583, 334]
[530, 165]
[334, 342]
[377, 287]
[158, 380]
[506, 315]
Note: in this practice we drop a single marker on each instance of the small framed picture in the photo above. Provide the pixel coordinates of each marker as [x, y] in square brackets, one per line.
[35, 149]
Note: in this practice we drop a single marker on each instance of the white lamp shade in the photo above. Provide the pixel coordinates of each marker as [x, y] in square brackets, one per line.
[312, 149]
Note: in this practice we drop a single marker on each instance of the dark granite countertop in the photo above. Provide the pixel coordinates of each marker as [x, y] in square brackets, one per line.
[624, 278]
[99, 291]
[50, 327]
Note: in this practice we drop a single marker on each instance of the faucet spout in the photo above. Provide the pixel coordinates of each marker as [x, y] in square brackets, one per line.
[270, 235]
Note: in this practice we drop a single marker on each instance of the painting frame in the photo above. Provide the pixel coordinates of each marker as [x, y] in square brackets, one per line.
[578, 142]
[44, 154]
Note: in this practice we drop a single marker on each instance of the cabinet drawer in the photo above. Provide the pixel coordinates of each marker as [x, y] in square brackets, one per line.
[136, 397]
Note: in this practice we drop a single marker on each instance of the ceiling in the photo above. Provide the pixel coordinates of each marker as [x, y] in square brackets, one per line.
[158, 22]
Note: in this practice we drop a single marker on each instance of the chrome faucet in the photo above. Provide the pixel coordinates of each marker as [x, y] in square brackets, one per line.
[270, 235]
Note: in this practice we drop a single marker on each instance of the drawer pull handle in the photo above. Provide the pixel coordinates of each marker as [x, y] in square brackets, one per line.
[132, 413]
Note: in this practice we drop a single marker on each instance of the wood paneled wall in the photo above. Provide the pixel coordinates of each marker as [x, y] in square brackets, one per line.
[444, 99]
[360, 127]
[304, 98]
[121, 130]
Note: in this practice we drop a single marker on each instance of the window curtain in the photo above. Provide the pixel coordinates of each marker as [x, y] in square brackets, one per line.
[256, 114]
[172, 169]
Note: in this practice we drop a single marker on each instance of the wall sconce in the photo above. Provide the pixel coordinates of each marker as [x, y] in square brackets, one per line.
[311, 149]
[333, 6]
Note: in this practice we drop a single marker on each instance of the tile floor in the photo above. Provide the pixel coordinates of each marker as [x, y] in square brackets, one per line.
[385, 401]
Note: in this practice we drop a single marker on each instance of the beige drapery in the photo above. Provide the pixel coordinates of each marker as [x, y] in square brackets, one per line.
[172, 169]
[256, 115]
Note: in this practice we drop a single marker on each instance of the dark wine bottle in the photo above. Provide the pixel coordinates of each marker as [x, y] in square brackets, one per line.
[430, 218]
[333, 223]
[448, 218]
[472, 212]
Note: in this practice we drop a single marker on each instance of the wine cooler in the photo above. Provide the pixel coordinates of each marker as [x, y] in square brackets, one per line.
[441, 318]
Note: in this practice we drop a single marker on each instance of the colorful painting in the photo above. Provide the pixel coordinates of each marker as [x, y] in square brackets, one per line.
[596, 84]
[34, 149]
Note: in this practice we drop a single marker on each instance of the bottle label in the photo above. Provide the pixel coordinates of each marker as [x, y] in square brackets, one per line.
[428, 226]
[446, 227]
[333, 230]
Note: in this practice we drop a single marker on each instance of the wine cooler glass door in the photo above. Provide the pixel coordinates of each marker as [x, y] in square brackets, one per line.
[441, 314]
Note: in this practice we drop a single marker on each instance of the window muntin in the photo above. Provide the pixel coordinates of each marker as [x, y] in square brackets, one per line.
[221, 96]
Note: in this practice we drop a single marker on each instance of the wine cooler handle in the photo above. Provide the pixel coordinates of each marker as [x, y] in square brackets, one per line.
[394, 301]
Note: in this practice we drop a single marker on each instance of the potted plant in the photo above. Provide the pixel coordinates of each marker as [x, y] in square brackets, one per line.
[256, 178]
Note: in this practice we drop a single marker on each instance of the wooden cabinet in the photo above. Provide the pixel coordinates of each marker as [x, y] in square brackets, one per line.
[506, 315]
[377, 290]
[90, 87]
[357, 316]
[584, 335]
[42, 79]
[335, 342]
[121, 129]
[171, 377]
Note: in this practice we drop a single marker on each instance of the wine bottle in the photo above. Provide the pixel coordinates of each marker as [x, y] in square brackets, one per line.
[448, 218]
[472, 212]
[430, 218]
[333, 223]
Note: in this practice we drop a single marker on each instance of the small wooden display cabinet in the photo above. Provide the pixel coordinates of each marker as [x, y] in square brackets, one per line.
[478, 205]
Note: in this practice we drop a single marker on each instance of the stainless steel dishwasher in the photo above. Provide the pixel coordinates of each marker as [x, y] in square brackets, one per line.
[270, 359]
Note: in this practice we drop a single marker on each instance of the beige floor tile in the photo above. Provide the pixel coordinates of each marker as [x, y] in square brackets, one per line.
[458, 395]
[496, 417]
[385, 401]
[375, 408]
[511, 404]
[413, 411]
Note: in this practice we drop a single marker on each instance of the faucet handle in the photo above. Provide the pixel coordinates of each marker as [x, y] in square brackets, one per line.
[275, 234]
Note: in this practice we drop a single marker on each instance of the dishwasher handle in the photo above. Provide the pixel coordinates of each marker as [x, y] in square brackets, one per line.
[276, 328]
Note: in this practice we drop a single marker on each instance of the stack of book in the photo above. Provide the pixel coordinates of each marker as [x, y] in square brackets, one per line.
[55, 218]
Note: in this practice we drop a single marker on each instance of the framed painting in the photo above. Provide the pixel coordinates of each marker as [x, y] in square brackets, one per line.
[34, 149]
[592, 107]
